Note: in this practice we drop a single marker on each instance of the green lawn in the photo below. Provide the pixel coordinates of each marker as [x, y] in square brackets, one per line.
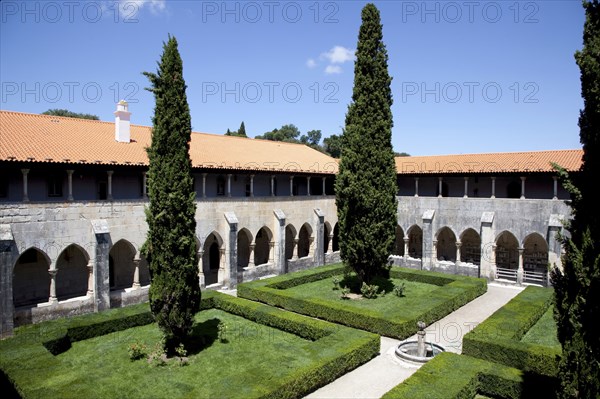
[544, 331]
[259, 358]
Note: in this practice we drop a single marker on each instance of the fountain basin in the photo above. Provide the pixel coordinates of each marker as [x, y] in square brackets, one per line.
[408, 351]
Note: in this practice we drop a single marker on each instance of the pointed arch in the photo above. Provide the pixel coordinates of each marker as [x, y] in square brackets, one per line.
[120, 264]
[415, 241]
[290, 236]
[335, 242]
[244, 239]
[262, 246]
[535, 254]
[446, 244]
[30, 278]
[211, 260]
[326, 238]
[507, 252]
[304, 240]
[470, 251]
[399, 241]
[72, 276]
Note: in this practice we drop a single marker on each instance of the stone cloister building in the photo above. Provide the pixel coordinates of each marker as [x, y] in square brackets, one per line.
[73, 193]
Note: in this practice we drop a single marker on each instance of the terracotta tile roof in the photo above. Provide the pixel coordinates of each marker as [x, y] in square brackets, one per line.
[501, 162]
[43, 138]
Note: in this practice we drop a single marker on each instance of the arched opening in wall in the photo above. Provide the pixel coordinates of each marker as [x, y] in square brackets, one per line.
[304, 240]
[290, 235]
[31, 280]
[415, 242]
[326, 239]
[535, 254]
[399, 242]
[513, 189]
[211, 260]
[144, 271]
[507, 253]
[444, 189]
[244, 238]
[446, 244]
[120, 265]
[335, 242]
[72, 275]
[470, 250]
[262, 248]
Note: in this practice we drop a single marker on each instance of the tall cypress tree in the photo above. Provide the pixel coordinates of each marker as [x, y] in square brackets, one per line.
[366, 183]
[242, 130]
[577, 288]
[170, 245]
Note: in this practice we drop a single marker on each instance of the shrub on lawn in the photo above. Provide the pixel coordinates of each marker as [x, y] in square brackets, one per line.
[399, 290]
[369, 291]
[136, 350]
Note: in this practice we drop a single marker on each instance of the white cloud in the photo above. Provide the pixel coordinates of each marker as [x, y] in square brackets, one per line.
[311, 63]
[132, 8]
[338, 55]
[333, 69]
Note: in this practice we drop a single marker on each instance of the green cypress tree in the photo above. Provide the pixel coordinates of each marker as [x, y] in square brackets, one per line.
[577, 288]
[366, 183]
[170, 244]
[242, 130]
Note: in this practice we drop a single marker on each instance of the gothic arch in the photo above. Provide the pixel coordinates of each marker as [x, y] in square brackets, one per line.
[535, 254]
[262, 246]
[304, 240]
[446, 244]
[120, 264]
[470, 250]
[507, 253]
[415, 241]
[290, 236]
[31, 280]
[72, 275]
[244, 239]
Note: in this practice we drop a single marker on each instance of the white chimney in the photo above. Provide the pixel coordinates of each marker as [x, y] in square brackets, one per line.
[122, 123]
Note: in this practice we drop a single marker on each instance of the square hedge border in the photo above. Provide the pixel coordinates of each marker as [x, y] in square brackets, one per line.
[36, 345]
[452, 376]
[498, 338]
[454, 292]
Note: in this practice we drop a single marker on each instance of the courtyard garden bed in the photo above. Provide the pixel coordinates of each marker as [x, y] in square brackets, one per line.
[428, 296]
[263, 352]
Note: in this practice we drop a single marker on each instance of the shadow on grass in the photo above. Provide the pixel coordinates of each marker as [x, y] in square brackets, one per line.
[7, 388]
[203, 336]
[351, 281]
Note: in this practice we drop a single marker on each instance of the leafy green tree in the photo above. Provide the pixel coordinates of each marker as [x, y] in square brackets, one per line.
[402, 154]
[332, 145]
[70, 114]
[228, 133]
[577, 288]
[288, 133]
[170, 244]
[242, 130]
[312, 138]
[366, 183]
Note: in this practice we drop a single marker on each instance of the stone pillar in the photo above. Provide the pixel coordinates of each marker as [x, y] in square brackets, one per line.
[487, 263]
[271, 252]
[8, 256]
[330, 249]
[252, 185]
[493, 187]
[201, 277]
[90, 269]
[416, 186]
[440, 187]
[520, 270]
[53, 273]
[295, 249]
[311, 248]
[221, 273]
[406, 240]
[109, 195]
[229, 185]
[25, 185]
[279, 236]
[434, 255]
[70, 185]
[458, 246]
[291, 186]
[204, 185]
[466, 188]
[272, 186]
[145, 185]
[324, 193]
[429, 252]
[101, 265]
[523, 187]
[250, 255]
[308, 186]
[136, 273]
[555, 178]
[319, 248]
[231, 242]
[494, 268]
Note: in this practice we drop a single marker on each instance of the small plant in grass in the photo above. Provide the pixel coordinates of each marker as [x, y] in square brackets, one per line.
[369, 291]
[336, 282]
[344, 293]
[222, 332]
[399, 290]
[158, 356]
[181, 354]
[136, 351]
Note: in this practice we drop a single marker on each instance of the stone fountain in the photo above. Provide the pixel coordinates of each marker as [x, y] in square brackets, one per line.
[418, 351]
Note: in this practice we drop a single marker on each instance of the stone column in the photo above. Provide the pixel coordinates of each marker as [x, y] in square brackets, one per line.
[434, 256]
[272, 186]
[295, 249]
[136, 273]
[101, 265]
[222, 262]
[520, 270]
[8, 256]
[494, 268]
[429, 252]
[416, 186]
[90, 268]
[231, 243]
[311, 243]
[279, 238]
[109, 195]
[466, 188]
[493, 187]
[487, 265]
[324, 193]
[25, 185]
[555, 178]
[204, 185]
[250, 255]
[145, 185]
[70, 184]
[53, 273]
[330, 249]
[458, 245]
[523, 187]
[201, 277]
[271, 252]
[252, 185]
[308, 186]
[440, 187]
[291, 186]
[229, 185]
[319, 233]
[406, 240]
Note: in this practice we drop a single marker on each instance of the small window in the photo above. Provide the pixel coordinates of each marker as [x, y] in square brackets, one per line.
[3, 186]
[220, 186]
[102, 190]
[513, 190]
[55, 184]
[275, 186]
[248, 192]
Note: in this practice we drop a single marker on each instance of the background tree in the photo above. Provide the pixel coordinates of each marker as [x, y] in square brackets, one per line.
[170, 245]
[333, 145]
[70, 114]
[288, 133]
[242, 130]
[402, 154]
[312, 138]
[366, 183]
[577, 288]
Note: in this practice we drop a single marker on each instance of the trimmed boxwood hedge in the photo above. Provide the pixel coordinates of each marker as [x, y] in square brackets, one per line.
[25, 356]
[498, 338]
[454, 292]
[449, 376]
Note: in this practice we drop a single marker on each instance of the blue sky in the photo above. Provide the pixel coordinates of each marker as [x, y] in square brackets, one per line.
[468, 76]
